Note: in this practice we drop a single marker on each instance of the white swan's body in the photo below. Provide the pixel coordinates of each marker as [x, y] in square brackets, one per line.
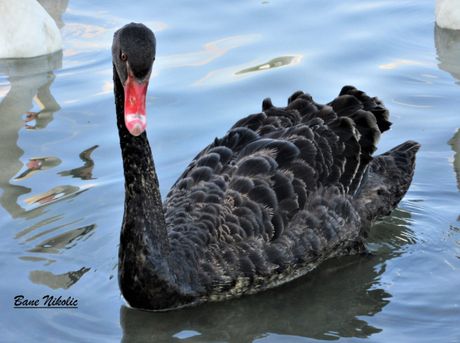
[448, 14]
[26, 30]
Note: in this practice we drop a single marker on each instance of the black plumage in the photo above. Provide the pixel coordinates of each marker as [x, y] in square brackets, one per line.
[281, 192]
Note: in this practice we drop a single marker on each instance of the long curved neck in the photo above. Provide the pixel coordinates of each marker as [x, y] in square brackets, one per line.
[143, 206]
[143, 267]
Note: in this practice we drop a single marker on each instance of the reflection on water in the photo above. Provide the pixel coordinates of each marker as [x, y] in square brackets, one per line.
[54, 245]
[209, 52]
[329, 303]
[273, 63]
[448, 50]
[55, 281]
[26, 111]
[30, 80]
[84, 172]
[66, 240]
[398, 63]
[229, 74]
[37, 164]
[455, 144]
[51, 195]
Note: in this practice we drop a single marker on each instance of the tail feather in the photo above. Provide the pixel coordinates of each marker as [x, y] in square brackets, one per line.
[387, 180]
[371, 104]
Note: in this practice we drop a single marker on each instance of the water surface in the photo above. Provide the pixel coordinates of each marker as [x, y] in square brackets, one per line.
[61, 181]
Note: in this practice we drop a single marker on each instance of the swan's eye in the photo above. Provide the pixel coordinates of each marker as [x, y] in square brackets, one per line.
[123, 56]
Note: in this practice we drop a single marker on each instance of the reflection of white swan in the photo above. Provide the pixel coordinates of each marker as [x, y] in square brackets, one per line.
[448, 51]
[448, 14]
[27, 30]
[29, 79]
[455, 143]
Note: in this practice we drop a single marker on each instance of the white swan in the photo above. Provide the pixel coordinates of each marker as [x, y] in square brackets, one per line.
[26, 30]
[448, 14]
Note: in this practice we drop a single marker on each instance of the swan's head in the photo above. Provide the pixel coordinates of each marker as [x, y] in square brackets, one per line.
[133, 53]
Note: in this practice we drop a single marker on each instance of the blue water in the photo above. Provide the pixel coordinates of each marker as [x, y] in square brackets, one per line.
[61, 181]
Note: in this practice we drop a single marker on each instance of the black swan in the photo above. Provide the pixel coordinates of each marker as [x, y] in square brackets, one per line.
[282, 191]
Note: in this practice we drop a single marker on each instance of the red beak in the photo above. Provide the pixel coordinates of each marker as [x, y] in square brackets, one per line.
[135, 116]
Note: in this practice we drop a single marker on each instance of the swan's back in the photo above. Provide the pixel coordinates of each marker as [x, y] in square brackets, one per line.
[26, 30]
[448, 14]
[283, 190]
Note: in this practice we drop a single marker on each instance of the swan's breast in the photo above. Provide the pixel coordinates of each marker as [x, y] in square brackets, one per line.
[27, 30]
[448, 14]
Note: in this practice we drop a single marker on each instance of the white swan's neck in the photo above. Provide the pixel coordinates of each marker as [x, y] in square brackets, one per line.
[448, 14]
[26, 30]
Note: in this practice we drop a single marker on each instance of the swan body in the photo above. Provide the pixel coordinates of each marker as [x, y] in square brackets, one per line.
[448, 14]
[27, 30]
[282, 191]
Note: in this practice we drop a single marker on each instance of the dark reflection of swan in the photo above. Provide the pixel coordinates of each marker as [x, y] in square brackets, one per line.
[54, 245]
[29, 78]
[84, 172]
[448, 50]
[331, 302]
[55, 281]
[65, 240]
